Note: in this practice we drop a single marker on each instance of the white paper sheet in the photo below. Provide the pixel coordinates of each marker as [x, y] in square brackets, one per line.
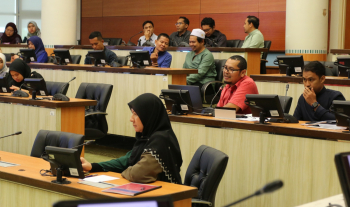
[100, 178]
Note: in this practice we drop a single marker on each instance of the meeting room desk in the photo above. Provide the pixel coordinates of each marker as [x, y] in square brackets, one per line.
[30, 116]
[339, 53]
[128, 83]
[23, 185]
[302, 157]
[276, 84]
[252, 55]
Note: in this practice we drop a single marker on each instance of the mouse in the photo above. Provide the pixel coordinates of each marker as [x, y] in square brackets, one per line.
[60, 97]
[20, 93]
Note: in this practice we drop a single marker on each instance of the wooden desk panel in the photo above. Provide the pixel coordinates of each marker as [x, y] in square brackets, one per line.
[37, 190]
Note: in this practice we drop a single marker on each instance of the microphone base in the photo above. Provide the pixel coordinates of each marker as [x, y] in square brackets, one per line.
[130, 44]
[64, 181]
[208, 111]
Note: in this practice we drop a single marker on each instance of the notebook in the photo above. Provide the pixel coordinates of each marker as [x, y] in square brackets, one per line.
[132, 189]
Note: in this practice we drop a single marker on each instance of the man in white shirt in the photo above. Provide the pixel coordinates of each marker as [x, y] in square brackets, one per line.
[149, 37]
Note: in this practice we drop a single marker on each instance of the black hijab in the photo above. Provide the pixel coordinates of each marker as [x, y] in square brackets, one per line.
[21, 67]
[15, 38]
[157, 137]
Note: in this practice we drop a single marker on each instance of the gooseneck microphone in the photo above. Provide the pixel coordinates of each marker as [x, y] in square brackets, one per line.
[209, 110]
[20, 93]
[131, 43]
[17, 133]
[60, 96]
[284, 101]
[86, 143]
[268, 188]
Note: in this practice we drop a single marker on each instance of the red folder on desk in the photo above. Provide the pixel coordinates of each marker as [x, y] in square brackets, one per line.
[131, 189]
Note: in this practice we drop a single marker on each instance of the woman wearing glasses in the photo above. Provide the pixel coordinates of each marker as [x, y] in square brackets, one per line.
[10, 35]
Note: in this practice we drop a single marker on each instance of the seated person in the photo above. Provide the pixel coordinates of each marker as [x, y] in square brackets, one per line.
[182, 34]
[314, 103]
[10, 35]
[36, 44]
[96, 42]
[149, 38]
[33, 30]
[254, 39]
[238, 85]
[216, 38]
[200, 58]
[159, 56]
[3, 67]
[155, 141]
[19, 70]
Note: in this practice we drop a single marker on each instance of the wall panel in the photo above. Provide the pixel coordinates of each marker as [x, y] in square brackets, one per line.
[88, 25]
[229, 6]
[272, 26]
[272, 5]
[347, 26]
[91, 8]
[171, 7]
[125, 7]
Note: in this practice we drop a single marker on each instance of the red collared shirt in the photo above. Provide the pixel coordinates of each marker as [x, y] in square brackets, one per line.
[235, 94]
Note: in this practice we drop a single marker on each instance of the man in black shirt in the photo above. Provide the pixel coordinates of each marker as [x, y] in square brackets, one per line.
[214, 38]
[96, 42]
[314, 103]
[182, 35]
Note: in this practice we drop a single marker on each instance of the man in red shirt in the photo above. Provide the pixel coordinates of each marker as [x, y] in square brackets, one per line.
[237, 85]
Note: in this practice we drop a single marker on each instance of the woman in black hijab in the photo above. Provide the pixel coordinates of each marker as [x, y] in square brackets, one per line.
[156, 155]
[19, 70]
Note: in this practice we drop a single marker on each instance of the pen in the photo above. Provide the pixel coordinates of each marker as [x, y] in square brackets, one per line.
[91, 175]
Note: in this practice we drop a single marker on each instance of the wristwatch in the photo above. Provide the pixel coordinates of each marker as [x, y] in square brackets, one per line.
[314, 105]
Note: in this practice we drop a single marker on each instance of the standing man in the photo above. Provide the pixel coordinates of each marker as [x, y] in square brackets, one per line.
[159, 56]
[255, 38]
[200, 58]
[216, 38]
[148, 39]
[182, 34]
[238, 85]
[96, 42]
[314, 103]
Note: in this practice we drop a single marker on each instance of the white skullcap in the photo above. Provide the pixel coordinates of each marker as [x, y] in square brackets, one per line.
[198, 33]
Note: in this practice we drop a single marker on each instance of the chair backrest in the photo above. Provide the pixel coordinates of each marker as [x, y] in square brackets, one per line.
[286, 102]
[232, 43]
[123, 60]
[55, 87]
[8, 57]
[205, 172]
[75, 59]
[96, 91]
[51, 59]
[57, 139]
[219, 63]
[240, 43]
[331, 69]
[113, 41]
[267, 44]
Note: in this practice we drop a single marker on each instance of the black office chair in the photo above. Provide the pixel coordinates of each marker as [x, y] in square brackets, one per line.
[113, 41]
[57, 139]
[51, 59]
[207, 98]
[123, 60]
[8, 57]
[76, 59]
[240, 44]
[263, 61]
[286, 102]
[96, 126]
[56, 87]
[331, 69]
[232, 43]
[205, 172]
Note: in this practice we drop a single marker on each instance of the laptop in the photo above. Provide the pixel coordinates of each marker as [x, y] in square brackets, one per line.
[163, 201]
[342, 163]
[195, 95]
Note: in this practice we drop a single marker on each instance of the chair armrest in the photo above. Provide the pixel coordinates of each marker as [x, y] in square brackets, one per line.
[205, 86]
[194, 200]
[94, 113]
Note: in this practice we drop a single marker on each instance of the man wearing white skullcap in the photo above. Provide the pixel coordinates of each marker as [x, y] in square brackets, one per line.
[200, 58]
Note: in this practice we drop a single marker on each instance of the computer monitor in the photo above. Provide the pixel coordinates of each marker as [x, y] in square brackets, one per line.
[162, 201]
[291, 64]
[265, 106]
[36, 86]
[64, 162]
[28, 55]
[342, 164]
[4, 87]
[62, 57]
[177, 101]
[195, 94]
[140, 59]
[341, 111]
[343, 64]
[98, 57]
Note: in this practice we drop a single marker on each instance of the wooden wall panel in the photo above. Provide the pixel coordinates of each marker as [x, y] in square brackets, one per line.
[229, 6]
[272, 5]
[230, 24]
[88, 25]
[170, 7]
[91, 8]
[347, 26]
[125, 7]
[273, 27]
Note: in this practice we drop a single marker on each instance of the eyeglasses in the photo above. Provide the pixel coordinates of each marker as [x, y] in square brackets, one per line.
[229, 70]
[9, 30]
[178, 23]
[207, 30]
